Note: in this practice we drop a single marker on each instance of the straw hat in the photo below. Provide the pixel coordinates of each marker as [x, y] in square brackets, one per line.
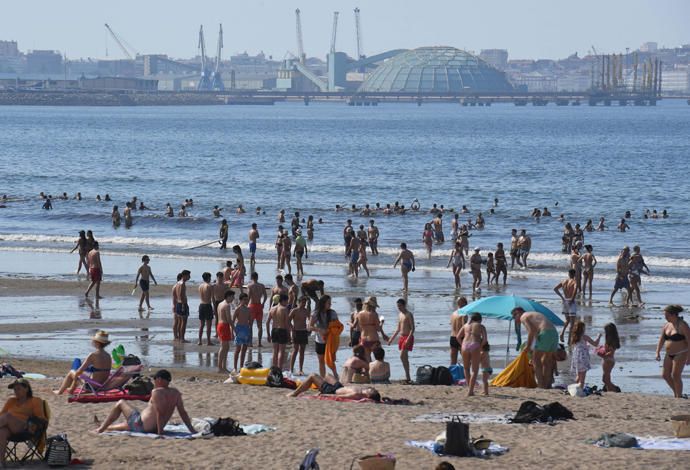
[101, 337]
[371, 301]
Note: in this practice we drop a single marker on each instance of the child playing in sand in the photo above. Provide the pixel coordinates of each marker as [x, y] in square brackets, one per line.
[242, 325]
[485, 362]
[580, 353]
[490, 268]
[142, 280]
[607, 353]
[406, 341]
[300, 334]
[224, 330]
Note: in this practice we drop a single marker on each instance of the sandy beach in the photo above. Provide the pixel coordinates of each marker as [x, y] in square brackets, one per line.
[344, 431]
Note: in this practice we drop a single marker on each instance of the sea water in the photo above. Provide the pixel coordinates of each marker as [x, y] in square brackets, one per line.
[582, 162]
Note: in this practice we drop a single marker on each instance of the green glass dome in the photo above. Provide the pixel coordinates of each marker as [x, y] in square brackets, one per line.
[435, 70]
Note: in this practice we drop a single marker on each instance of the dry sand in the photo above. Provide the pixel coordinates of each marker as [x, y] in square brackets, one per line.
[346, 430]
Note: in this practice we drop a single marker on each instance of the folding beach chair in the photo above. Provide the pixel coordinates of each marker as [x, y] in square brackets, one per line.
[116, 381]
[30, 444]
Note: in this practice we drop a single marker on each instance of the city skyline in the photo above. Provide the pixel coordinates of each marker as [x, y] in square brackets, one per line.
[553, 31]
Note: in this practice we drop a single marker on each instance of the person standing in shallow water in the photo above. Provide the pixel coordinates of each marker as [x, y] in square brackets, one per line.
[407, 264]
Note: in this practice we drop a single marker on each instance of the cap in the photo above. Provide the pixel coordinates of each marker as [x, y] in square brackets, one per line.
[476, 248]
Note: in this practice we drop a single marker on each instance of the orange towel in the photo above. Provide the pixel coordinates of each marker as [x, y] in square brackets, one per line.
[335, 328]
[518, 373]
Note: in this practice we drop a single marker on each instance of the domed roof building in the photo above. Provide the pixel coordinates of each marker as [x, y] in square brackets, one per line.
[435, 70]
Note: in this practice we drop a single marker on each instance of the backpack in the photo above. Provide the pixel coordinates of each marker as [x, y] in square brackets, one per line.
[58, 451]
[424, 375]
[227, 427]
[457, 371]
[441, 376]
[275, 377]
[139, 386]
[131, 360]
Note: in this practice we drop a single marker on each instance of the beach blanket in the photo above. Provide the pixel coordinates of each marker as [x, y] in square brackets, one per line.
[335, 328]
[201, 426]
[519, 373]
[105, 397]
[663, 443]
[494, 449]
[474, 418]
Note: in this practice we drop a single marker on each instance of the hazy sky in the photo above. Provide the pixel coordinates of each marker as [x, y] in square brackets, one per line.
[527, 28]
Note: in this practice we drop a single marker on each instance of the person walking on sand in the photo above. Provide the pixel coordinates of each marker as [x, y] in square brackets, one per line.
[406, 342]
[543, 335]
[143, 280]
[320, 319]
[181, 306]
[242, 327]
[278, 325]
[164, 401]
[297, 319]
[589, 262]
[95, 271]
[224, 330]
[205, 308]
[568, 296]
[675, 338]
[472, 336]
[223, 233]
[257, 302]
[407, 264]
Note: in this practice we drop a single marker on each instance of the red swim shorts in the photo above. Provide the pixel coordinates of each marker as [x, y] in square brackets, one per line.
[257, 311]
[402, 345]
[96, 274]
[224, 331]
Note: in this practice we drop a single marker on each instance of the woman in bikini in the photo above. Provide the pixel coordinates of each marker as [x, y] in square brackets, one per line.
[472, 337]
[458, 260]
[675, 336]
[428, 238]
[97, 364]
[81, 246]
[369, 324]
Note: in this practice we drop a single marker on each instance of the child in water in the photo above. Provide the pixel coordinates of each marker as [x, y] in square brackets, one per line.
[490, 268]
[580, 352]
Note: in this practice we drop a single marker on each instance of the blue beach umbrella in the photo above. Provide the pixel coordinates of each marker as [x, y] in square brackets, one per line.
[500, 306]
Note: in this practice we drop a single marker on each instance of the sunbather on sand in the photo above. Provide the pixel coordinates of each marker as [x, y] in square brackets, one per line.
[330, 386]
[164, 401]
[97, 364]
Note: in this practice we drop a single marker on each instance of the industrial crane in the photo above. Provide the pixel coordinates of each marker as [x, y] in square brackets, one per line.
[217, 80]
[358, 29]
[204, 81]
[300, 43]
[121, 42]
[335, 31]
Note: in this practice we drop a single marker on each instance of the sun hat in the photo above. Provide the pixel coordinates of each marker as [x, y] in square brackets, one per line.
[371, 301]
[101, 337]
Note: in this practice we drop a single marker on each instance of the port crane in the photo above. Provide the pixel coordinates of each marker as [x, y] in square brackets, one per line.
[216, 79]
[358, 30]
[204, 79]
[300, 43]
[335, 31]
[124, 46]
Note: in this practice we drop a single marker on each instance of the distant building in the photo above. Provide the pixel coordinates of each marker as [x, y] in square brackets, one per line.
[650, 47]
[675, 82]
[496, 57]
[45, 62]
[9, 49]
[534, 81]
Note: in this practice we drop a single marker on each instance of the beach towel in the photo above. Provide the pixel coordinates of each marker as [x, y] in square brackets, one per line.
[471, 418]
[431, 446]
[518, 373]
[105, 397]
[201, 426]
[337, 398]
[663, 443]
[335, 328]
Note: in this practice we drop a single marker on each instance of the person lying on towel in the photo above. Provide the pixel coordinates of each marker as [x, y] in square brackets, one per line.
[164, 401]
[330, 386]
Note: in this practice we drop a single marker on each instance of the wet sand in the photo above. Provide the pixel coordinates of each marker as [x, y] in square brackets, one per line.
[337, 428]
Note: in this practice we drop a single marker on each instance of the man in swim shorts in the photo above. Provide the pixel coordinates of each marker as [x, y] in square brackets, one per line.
[407, 264]
[205, 308]
[242, 325]
[253, 237]
[224, 329]
[278, 316]
[570, 290]
[524, 244]
[406, 342]
[543, 335]
[257, 301]
[164, 401]
[297, 319]
[622, 281]
[373, 235]
[330, 386]
[95, 271]
[144, 275]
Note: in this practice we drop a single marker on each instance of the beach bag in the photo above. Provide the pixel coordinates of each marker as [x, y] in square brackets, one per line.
[227, 427]
[561, 355]
[457, 438]
[58, 451]
[253, 365]
[140, 386]
[424, 375]
[275, 377]
[457, 371]
[441, 376]
[131, 360]
[376, 462]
